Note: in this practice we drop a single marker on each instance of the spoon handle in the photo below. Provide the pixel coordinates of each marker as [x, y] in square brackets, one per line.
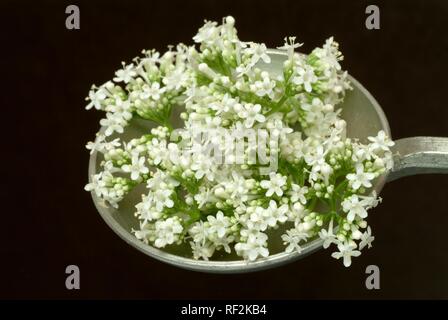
[419, 155]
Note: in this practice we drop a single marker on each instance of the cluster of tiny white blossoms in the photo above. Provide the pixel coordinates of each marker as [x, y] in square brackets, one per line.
[320, 187]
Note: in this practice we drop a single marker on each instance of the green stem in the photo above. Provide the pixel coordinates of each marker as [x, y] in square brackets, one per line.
[278, 105]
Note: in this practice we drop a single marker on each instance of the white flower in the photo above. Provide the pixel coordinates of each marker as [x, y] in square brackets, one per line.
[97, 185]
[380, 142]
[354, 207]
[366, 239]
[305, 77]
[136, 168]
[243, 69]
[265, 87]
[361, 153]
[101, 145]
[158, 151]
[329, 54]
[161, 198]
[121, 108]
[218, 224]
[176, 79]
[126, 74]
[144, 233]
[274, 184]
[202, 250]
[371, 201]
[297, 212]
[225, 105]
[327, 236]
[254, 246]
[238, 187]
[203, 166]
[113, 123]
[251, 113]
[154, 91]
[204, 196]
[208, 33]
[298, 193]
[360, 178]
[276, 214]
[167, 232]
[258, 220]
[161, 179]
[316, 158]
[292, 237]
[107, 188]
[346, 251]
[199, 232]
[146, 210]
[96, 98]
[151, 57]
[290, 46]
[314, 111]
[223, 242]
[258, 51]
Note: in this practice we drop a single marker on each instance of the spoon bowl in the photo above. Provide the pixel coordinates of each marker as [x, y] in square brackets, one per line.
[364, 118]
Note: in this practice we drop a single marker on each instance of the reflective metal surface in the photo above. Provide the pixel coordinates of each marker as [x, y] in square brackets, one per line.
[419, 155]
[364, 118]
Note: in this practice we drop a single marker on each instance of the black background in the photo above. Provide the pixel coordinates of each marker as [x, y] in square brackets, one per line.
[48, 221]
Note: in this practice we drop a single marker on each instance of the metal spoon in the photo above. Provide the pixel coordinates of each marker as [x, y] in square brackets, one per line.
[364, 118]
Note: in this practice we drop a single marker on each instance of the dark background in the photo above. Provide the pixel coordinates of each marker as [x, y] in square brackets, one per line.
[49, 221]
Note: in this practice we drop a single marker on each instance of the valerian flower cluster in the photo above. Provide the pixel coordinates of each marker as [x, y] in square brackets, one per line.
[320, 187]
